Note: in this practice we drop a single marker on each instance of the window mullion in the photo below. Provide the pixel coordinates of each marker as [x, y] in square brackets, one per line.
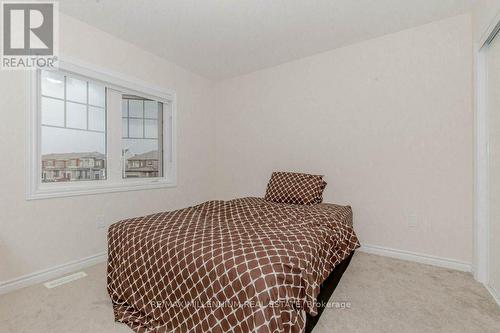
[87, 105]
[65, 103]
[114, 135]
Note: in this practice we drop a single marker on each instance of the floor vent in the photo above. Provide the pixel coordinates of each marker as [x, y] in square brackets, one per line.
[64, 280]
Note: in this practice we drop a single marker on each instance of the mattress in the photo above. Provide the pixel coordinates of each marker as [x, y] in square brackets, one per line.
[244, 265]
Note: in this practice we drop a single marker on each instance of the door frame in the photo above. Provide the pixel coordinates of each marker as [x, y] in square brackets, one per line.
[481, 158]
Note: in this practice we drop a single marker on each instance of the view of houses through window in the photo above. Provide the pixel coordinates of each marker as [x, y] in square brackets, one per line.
[73, 166]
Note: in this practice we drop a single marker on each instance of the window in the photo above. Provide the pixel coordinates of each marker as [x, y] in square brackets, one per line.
[142, 121]
[91, 132]
[73, 128]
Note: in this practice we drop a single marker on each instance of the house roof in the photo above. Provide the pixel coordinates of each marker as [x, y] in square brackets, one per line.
[150, 155]
[69, 156]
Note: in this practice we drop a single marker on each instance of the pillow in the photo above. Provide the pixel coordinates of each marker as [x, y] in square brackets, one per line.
[320, 198]
[294, 188]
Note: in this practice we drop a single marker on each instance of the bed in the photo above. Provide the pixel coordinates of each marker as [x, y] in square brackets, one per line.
[243, 265]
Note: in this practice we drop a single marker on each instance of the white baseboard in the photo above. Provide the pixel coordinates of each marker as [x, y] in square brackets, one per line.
[418, 257]
[494, 293]
[50, 273]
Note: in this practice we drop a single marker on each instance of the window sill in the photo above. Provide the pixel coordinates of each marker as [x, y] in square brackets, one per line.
[59, 190]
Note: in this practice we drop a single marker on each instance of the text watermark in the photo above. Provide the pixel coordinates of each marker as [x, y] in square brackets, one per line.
[30, 33]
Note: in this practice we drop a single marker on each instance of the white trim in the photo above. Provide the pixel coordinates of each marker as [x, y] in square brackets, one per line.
[417, 257]
[118, 79]
[481, 160]
[481, 174]
[50, 273]
[85, 189]
[36, 190]
[494, 293]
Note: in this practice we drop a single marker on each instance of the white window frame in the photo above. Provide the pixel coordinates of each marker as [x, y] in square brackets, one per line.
[35, 189]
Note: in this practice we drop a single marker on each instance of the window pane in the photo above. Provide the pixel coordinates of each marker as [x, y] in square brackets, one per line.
[52, 84]
[73, 150]
[124, 108]
[142, 158]
[125, 127]
[52, 112]
[142, 148]
[72, 155]
[151, 109]
[151, 128]
[97, 119]
[76, 115]
[76, 90]
[136, 108]
[136, 128]
[97, 94]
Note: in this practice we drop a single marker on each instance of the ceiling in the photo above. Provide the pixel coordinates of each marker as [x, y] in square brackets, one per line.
[219, 39]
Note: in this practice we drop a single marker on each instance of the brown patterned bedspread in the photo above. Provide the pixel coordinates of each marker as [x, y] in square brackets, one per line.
[245, 265]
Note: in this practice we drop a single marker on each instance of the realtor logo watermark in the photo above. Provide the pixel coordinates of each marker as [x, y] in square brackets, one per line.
[29, 35]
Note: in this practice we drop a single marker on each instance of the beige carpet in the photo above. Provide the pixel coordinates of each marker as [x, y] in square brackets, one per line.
[384, 295]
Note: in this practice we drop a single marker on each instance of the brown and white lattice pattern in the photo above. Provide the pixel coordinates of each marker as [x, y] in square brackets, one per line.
[323, 186]
[219, 266]
[294, 188]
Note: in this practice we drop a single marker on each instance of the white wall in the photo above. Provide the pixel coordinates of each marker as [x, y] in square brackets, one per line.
[40, 234]
[388, 121]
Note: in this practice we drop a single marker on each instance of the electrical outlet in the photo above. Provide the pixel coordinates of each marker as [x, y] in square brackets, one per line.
[412, 221]
[100, 222]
